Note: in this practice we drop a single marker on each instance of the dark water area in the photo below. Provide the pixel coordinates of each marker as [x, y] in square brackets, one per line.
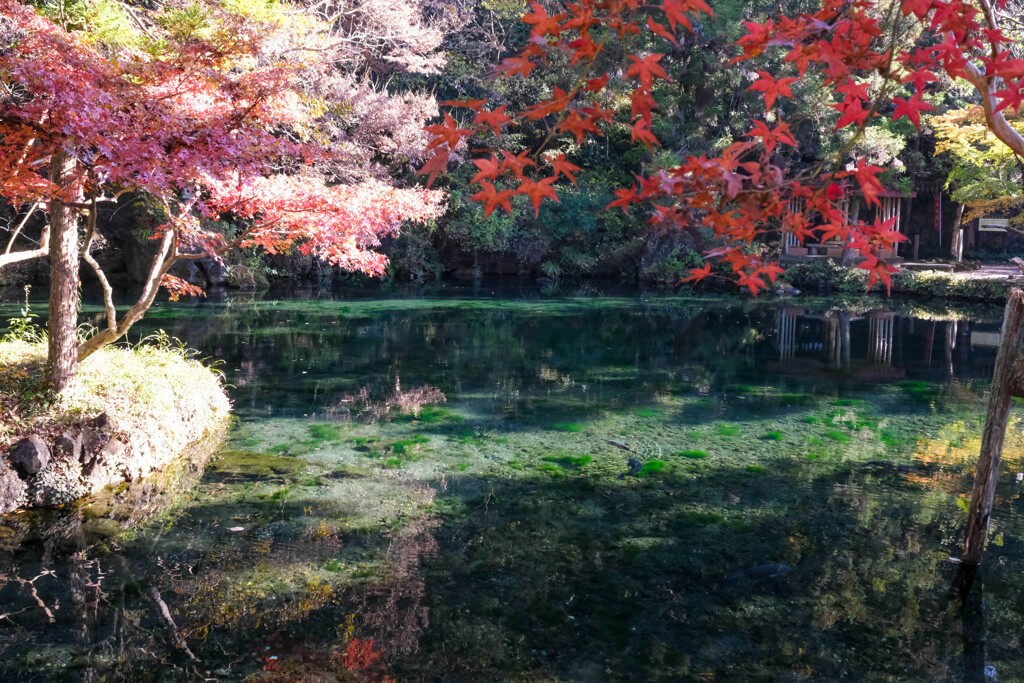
[438, 486]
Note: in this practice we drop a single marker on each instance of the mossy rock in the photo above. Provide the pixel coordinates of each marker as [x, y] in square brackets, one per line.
[252, 465]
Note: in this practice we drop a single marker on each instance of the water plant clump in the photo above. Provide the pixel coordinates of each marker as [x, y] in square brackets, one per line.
[326, 432]
[839, 436]
[774, 436]
[405, 446]
[693, 455]
[568, 427]
[569, 461]
[431, 415]
[755, 468]
[645, 411]
[651, 467]
[728, 430]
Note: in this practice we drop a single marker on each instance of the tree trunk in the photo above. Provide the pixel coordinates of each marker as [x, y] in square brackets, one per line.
[987, 472]
[957, 245]
[63, 280]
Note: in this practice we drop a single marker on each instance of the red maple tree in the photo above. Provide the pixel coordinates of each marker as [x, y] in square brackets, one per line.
[865, 51]
[211, 124]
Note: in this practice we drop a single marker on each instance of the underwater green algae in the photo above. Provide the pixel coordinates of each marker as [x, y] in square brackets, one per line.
[728, 430]
[568, 461]
[255, 466]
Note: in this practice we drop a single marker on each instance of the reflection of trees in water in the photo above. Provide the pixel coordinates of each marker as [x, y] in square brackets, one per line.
[308, 360]
[364, 405]
[126, 605]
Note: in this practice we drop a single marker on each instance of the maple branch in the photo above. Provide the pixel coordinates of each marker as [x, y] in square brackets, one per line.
[17, 257]
[21, 225]
[108, 291]
[162, 262]
[221, 250]
[997, 123]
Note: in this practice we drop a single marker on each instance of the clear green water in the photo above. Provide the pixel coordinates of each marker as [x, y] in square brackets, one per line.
[435, 475]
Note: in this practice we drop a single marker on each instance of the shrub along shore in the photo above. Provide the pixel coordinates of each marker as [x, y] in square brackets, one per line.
[132, 413]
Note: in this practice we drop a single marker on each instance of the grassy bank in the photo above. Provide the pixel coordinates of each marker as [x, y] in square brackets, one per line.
[830, 277]
[158, 402]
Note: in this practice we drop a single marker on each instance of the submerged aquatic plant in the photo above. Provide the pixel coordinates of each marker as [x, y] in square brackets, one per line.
[404, 446]
[839, 436]
[567, 461]
[326, 432]
[693, 455]
[728, 430]
[774, 436]
[568, 427]
[651, 467]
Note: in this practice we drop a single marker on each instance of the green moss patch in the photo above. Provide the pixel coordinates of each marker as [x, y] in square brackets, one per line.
[569, 461]
[693, 455]
[651, 467]
[406, 446]
[728, 430]
[839, 436]
[253, 465]
[326, 432]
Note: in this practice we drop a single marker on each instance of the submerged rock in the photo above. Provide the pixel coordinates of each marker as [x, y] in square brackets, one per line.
[634, 467]
[30, 455]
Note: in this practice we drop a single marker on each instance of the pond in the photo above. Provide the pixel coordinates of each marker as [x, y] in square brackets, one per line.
[446, 487]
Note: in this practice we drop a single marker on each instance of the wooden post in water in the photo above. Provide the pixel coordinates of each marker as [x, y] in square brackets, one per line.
[1005, 380]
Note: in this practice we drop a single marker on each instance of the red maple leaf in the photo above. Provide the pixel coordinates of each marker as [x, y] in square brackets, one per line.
[578, 126]
[435, 165]
[537, 191]
[495, 118]
[489, 169]
[564, 167]
[446, 133]
[911, 108]
[492, 198]
[647, 69]
[772, 88]
[466, 104]
[698, 274]
[518, 162]
[542, 23]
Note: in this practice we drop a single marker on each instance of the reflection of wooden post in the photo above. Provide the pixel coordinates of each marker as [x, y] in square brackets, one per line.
[1010, 344]
[787, 334]
[880, 327]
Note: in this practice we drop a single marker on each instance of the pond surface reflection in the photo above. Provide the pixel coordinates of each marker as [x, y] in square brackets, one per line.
[442, 489]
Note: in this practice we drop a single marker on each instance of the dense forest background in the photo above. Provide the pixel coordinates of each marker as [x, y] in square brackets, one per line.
[395, 61]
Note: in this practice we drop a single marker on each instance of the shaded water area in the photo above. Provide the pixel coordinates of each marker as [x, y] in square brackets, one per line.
[430, 488]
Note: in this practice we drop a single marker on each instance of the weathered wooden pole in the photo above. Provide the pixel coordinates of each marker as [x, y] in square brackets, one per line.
[1005, 380]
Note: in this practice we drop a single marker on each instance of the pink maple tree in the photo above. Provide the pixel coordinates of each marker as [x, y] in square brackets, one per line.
[211, 125]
